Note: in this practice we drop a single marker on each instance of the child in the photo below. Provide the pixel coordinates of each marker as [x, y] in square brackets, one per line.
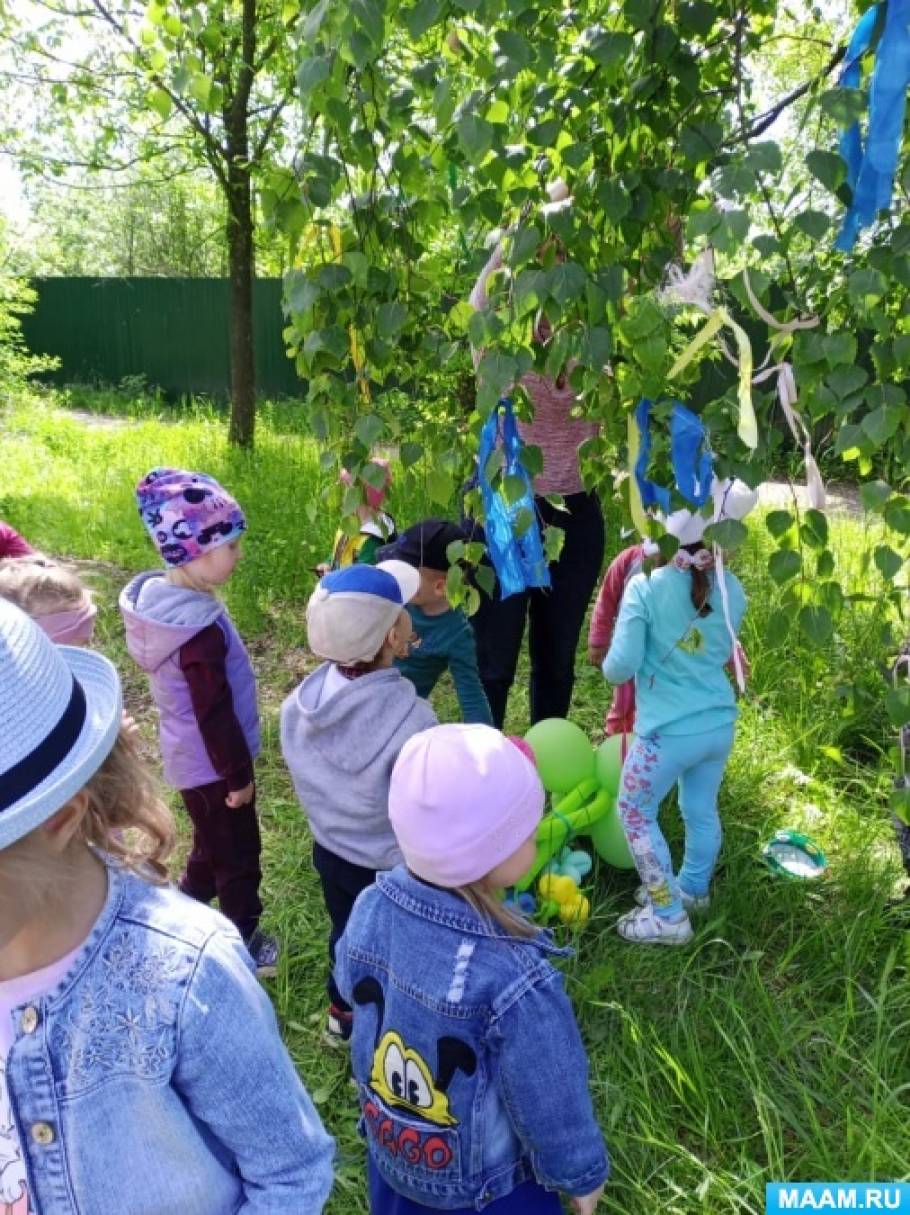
[620, 717]
[54, 597]
[141, 1068]
[621, 714]
[673, 636]
[472, 1075]
[376, 527]
[446, 639]
[202, 682]
[341, 731]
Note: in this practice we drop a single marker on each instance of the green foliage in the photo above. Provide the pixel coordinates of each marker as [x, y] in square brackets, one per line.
[713, 1069]
[436, 127]
[16, 363]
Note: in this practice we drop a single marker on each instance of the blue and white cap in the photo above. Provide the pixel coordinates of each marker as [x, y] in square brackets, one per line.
[352, 610]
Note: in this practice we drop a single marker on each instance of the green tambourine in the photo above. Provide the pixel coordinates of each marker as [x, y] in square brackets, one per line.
[794, 855]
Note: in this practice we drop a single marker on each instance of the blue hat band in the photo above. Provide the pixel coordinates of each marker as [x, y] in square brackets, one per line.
[365, 580]
[35, 767]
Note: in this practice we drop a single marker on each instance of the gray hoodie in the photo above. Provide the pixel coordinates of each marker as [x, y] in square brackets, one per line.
[341, 752]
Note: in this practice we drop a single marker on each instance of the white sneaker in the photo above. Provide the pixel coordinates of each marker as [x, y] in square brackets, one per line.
[691, 902]
[645, 927]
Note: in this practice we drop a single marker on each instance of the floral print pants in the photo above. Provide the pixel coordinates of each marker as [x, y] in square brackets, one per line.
[653, 766]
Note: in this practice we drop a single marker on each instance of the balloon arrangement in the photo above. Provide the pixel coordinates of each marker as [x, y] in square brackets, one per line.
[583, 784]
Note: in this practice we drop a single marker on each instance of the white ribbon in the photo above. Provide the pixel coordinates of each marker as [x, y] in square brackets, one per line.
[725, 600]
[787, 395]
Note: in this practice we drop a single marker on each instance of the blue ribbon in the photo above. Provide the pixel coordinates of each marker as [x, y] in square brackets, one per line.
[691, 459]
[871, 169]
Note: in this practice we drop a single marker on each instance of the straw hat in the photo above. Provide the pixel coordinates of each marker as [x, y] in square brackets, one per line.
[60, 711]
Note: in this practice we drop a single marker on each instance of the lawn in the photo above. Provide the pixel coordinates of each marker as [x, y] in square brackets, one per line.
[776, 1046]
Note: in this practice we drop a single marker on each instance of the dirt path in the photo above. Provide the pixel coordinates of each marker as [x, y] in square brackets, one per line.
[842, 498]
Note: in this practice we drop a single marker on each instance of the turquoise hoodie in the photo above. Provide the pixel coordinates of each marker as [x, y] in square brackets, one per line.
[676, 657]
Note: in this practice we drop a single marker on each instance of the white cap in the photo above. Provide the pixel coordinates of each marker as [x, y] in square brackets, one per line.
[351, 611]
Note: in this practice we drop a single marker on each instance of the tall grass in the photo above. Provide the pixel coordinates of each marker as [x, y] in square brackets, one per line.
[776, 1047]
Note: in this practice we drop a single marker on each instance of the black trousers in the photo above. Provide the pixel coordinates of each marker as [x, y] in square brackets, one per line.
[224, 860]
[341, 881]
[556, 616]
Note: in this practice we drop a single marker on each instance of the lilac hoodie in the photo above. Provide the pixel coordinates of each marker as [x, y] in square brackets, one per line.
[159, 619]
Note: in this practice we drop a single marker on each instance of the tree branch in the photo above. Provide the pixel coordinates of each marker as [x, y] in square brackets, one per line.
[212, 145]
[763, 121]
[268, 130]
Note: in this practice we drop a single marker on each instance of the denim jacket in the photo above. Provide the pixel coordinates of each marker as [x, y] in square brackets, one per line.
[470, 1066]
[152, 1080]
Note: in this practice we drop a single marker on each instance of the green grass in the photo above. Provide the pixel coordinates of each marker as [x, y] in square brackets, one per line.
[776, 1047]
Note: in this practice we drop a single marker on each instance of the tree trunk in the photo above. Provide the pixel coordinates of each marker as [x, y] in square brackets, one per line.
[241, 252]
[241, 265]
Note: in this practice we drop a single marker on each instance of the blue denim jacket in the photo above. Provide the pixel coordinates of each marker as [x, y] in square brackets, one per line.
[153, 1080]
[470, 1066]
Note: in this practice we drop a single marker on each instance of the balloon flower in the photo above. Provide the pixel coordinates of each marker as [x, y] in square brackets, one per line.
[583, 784]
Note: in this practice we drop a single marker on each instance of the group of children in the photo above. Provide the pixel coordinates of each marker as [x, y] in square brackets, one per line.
[125, 1005]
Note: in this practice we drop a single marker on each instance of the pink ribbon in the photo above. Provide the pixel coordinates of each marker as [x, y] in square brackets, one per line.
[702, 560]
[70, 628]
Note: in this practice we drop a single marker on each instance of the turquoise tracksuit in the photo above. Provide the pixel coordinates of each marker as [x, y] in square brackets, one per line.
[685, 720]
[447, 642]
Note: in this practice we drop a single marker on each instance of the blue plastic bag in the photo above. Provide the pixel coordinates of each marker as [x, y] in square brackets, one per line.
[518, 560]
[690, 456]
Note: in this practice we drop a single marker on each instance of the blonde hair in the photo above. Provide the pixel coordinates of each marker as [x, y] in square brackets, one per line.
[124, 818]
[41, 587]
[490, 907]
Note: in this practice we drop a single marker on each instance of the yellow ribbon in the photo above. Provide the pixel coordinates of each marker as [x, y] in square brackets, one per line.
[712, 326]
[747, 427]
[356, 348]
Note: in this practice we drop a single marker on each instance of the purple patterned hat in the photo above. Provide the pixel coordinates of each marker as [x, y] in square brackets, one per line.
[187, 513]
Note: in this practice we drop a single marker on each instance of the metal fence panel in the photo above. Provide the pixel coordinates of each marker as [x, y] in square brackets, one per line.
[172, 331]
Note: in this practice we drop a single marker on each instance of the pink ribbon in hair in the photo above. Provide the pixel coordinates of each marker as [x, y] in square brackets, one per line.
[702, 560]
[75, 627]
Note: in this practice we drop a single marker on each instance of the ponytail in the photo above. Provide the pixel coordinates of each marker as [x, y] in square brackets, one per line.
[701, 589]
[701, 583]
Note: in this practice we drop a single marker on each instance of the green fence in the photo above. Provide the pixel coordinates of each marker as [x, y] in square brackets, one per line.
[172, 331]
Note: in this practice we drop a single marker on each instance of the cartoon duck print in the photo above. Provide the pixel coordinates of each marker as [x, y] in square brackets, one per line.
[400, 1075]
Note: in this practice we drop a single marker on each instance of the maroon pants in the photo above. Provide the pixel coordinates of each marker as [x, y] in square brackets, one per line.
[224, 861]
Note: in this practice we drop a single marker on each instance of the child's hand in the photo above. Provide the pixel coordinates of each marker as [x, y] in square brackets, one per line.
[322, 568]
[587, 1203]
[746, 664]
[240, 797]
[596, 655]
[129, 727]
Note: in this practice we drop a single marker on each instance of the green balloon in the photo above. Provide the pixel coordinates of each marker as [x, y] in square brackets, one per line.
[563, 754]
[610, 842]
[609, 760]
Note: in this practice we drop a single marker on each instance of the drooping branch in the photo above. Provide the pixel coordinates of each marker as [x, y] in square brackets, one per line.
[764, 121]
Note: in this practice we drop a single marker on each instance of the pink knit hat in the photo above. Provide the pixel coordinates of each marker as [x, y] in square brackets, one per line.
[462, 800]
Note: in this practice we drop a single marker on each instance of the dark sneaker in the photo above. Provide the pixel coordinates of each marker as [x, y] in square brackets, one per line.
[338, 1026]
[264, 952]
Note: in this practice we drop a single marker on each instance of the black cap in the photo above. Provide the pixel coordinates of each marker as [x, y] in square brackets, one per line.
[425, 544]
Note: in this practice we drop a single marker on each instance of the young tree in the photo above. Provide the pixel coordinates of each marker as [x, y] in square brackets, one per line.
[430, 124]
[207, 83]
